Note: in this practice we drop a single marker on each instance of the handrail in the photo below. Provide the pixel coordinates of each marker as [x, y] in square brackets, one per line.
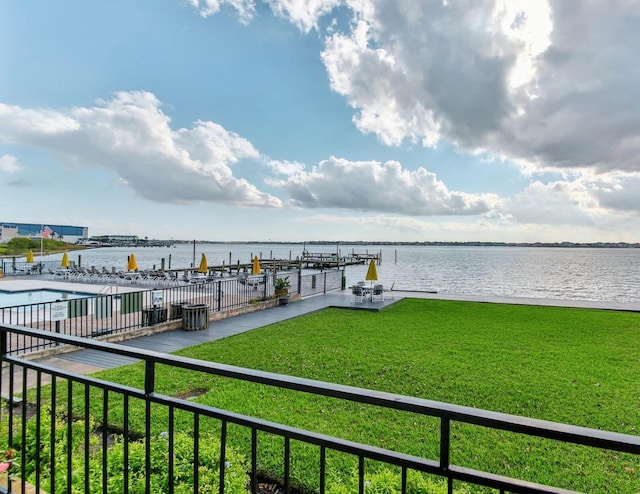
[108, 289]
[534, 427]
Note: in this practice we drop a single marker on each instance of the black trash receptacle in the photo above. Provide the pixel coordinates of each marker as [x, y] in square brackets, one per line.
[176, 310]
[154, 315]
[195, 317]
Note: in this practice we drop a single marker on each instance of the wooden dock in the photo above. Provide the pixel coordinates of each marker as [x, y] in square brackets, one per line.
[240, 269]
[309, 260]
[324, 260]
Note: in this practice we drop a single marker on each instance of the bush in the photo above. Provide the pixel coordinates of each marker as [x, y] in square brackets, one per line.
[20, 245]
[236, 477]
[386, 481]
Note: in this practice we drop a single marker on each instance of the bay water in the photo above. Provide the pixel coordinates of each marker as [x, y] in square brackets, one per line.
[599, 274]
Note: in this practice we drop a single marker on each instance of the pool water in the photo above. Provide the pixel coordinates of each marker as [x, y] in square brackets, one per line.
[12, 299]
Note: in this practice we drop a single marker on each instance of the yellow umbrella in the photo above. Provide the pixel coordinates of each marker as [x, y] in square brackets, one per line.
[65, 260]
[132, 265]
[372, 272]
[29, 256]
[255, 269]
[203, 265]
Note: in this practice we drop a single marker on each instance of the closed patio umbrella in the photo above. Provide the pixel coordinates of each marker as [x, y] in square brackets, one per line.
[29, 256]
[65, 260]
[372, 272]
[255, 268]
[132, 265]
[203, 265]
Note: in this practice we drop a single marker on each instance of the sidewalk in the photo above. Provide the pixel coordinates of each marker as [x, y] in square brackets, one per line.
[88, 361]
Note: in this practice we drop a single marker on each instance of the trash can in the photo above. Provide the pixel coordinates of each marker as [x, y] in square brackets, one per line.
[154, 315]
[195, 317]
[176, 310]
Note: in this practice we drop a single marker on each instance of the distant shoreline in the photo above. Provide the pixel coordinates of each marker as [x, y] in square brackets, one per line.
[602, 245]
[566, 245]
[45, 252]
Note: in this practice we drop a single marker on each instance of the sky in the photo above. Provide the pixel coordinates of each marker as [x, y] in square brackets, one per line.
[336, 120]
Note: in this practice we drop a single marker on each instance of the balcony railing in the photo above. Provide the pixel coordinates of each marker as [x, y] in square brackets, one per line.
[64, 468]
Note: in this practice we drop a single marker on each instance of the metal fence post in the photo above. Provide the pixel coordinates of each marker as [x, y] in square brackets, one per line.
[3, 343]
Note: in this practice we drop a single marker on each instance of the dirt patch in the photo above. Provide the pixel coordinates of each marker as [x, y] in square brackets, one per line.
[191, 394]
[19, 407]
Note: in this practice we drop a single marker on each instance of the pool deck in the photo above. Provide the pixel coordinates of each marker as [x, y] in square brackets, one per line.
[88, 361]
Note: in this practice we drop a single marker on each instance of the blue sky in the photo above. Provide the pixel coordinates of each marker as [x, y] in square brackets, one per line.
[291, 120]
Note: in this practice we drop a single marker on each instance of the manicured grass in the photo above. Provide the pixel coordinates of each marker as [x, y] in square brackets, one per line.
[575, 366]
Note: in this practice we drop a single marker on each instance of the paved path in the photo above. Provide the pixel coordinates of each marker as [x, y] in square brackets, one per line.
[87, 361]
[171, 341]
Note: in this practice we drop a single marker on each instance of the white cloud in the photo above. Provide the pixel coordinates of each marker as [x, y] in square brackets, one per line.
[9, 164]
[490, 76]
[557, 203]
[377, 223]
[617, 192]
[590, 200]
[550, 83]
[285, 167]
[394, 228]
[244, 8]
[369, 80]
[372, 186]
[548, 212]
[303, 13]
[131, 136]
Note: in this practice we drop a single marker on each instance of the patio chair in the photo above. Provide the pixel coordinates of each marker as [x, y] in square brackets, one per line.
[358, 294]
[378, 292]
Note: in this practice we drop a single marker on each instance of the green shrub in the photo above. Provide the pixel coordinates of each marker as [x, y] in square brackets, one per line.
[20, 245]
[386, 481]
[236, 477]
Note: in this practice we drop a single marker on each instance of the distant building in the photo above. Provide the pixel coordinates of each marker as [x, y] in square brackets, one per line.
[66, 233]
[114, 240]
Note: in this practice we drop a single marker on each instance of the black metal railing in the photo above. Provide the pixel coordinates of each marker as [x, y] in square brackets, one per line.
[21, 268]
[66, 464]
[115, 311]
[322, 282]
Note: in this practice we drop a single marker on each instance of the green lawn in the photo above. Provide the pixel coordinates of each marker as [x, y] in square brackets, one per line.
[575, 366]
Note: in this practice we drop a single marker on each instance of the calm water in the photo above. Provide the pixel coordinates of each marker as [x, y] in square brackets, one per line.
[12, 299]
[571, 273]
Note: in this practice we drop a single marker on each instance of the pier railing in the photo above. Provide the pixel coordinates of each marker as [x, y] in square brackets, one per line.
[119, 312]
[63, 433]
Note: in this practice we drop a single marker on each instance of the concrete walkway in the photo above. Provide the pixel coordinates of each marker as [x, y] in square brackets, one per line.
[88, 361]
[171, 341]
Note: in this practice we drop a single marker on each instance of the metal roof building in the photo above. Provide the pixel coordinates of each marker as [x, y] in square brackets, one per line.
[66, 233]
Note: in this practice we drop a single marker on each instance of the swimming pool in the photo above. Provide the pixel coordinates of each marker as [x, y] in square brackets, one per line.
[26, 297]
